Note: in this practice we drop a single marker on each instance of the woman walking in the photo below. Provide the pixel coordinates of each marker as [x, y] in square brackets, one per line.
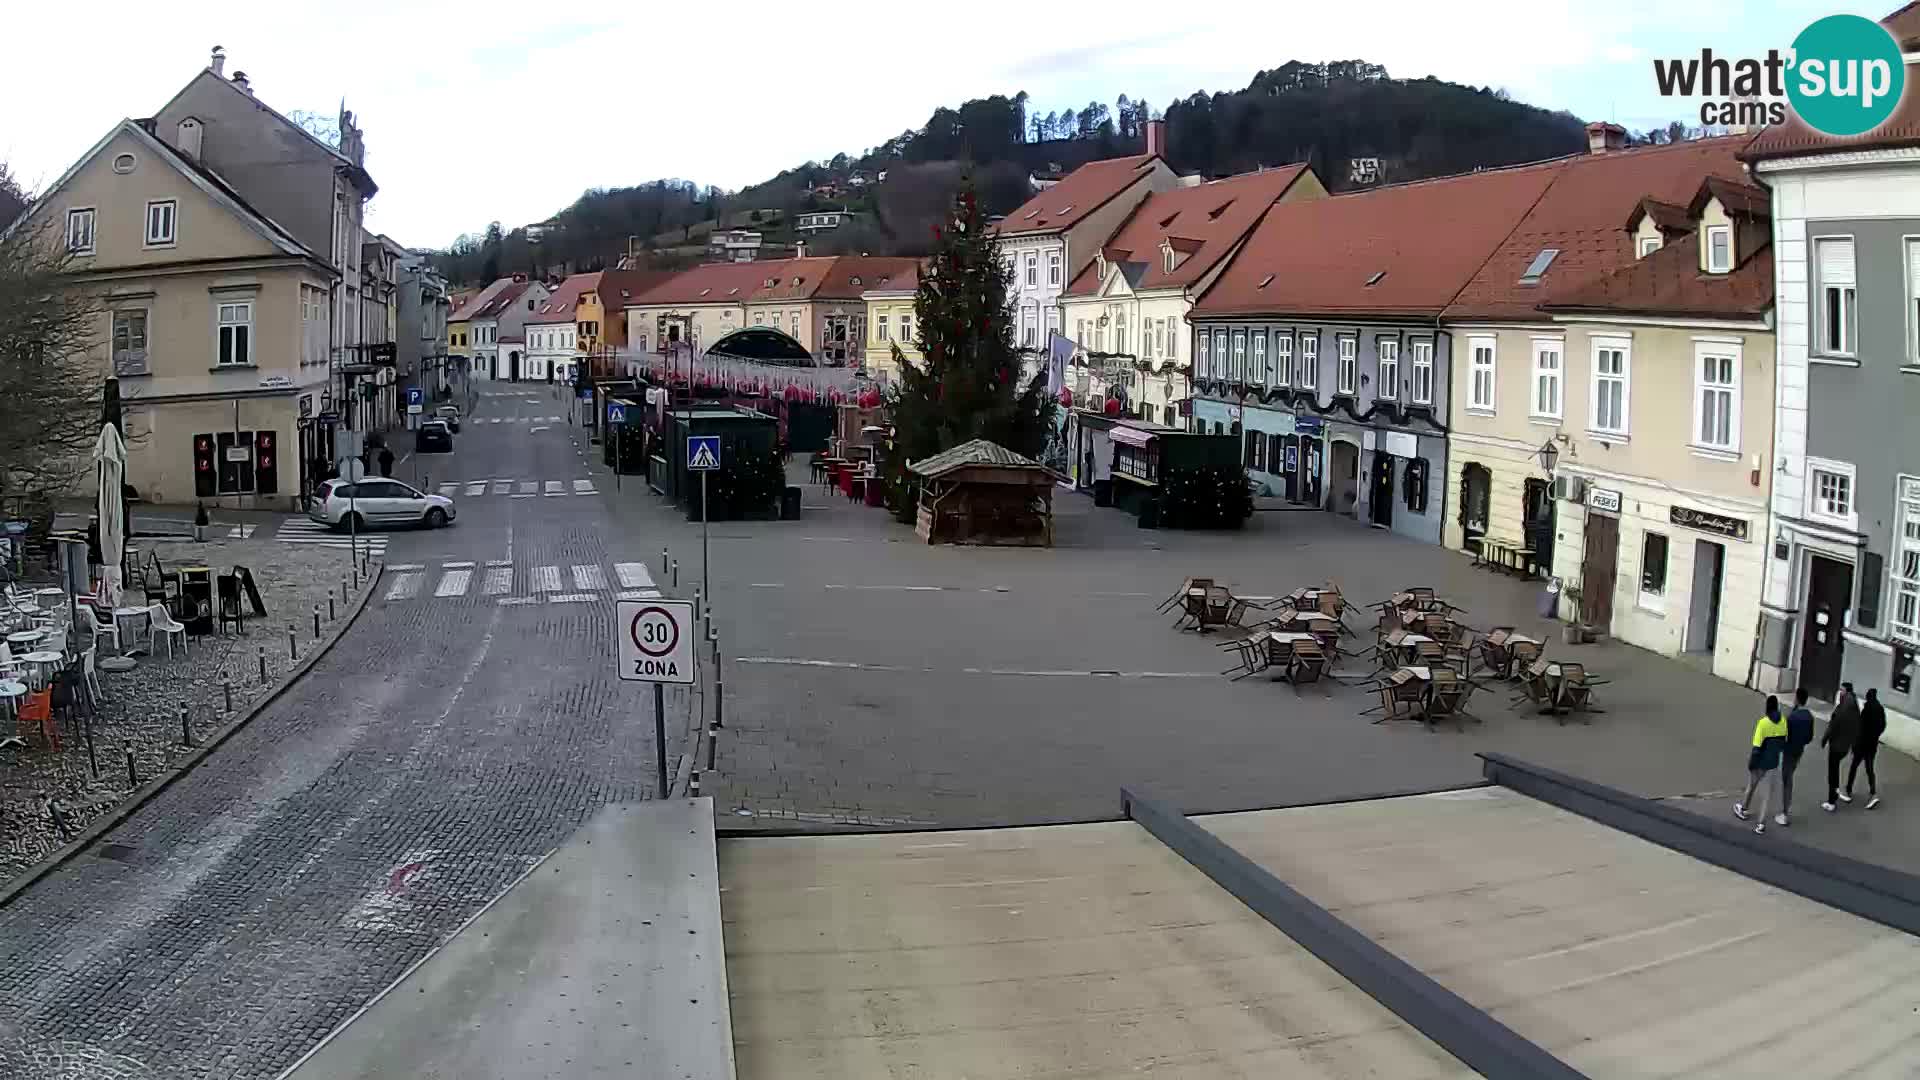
[1873, 724]
[1769, 740]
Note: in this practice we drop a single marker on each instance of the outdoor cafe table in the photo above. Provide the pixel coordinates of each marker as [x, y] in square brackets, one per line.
[43, 663]
[49, 598]
[27, 637]
[1403, 646]
[121, 617]
[11, 691]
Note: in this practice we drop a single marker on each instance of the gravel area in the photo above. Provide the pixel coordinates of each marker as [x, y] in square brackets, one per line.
[140, 709]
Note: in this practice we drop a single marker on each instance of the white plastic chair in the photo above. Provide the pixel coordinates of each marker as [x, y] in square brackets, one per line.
[91, 623]
[93, 676]
[165, 628]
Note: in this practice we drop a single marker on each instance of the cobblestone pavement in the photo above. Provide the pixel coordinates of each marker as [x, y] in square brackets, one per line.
[427, 760]
[139, 710]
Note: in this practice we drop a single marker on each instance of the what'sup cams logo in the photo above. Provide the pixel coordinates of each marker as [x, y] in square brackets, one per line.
[1843, 76]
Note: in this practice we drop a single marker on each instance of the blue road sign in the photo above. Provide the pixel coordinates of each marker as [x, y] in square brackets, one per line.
[703, 452]
[414, 395]
[616, 414]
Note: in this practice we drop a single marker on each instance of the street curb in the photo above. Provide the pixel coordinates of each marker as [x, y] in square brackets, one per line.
[106, 822]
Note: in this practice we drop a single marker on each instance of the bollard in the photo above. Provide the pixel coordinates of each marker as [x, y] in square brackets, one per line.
[696, 603]
[263, 664]
[330, 614]
[93, 759]
[343, 590]
[676, 573]
[316, 622]
[293, 645]
[693, 786]
[226, 686]
[713, 742]
[719, 688]
[59, 819]
[186, 727]
[133, 777]
[663, 558]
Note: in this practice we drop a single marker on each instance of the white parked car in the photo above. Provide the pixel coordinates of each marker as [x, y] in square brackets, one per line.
[378, 500]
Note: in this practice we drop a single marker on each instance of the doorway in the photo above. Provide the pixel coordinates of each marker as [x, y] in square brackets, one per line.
[1380, 508]
[1476, 493]
[1829, 589]
[1310, 470]
[1290, 466]
[1537, 523]
[1598, 570]
[1345, 468]
[513, 366]
[1703, 607]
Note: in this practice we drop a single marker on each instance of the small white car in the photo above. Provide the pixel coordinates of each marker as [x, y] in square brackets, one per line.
[378, 500]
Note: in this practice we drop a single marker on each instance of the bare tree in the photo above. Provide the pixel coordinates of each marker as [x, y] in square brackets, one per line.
[49, 380]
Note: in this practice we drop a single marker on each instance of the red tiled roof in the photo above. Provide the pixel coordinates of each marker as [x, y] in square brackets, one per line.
[1667, 217]
[1901, 129]
[1427, 238]
[834, 277]
[477, 300]
[618, 288]
[1670, 282]
[905, 280]
[713, 283]
[1579, 216]
[1904, 25]
[1078, 194]
[1738, 198]
[1204, 222]
[500, 301]
[558, 308]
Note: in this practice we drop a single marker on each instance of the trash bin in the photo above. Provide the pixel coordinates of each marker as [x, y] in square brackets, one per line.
[196, 599]
[790, 504]
[1550, 599]
[1103, 493]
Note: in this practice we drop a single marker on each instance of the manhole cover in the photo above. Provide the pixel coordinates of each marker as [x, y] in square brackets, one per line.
[118, 852]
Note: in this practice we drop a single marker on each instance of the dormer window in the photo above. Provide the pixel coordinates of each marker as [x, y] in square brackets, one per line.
[1719, 241]
[1649, 245]
[769, 283]
[1538, 267]
[1166, 258]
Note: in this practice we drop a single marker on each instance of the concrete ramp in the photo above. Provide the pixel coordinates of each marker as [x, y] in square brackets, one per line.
[1621, 957]
[604, 961]
[1072, 950]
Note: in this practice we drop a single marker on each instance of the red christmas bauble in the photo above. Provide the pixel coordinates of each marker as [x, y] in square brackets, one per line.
[1066, 396]
[1113, 407]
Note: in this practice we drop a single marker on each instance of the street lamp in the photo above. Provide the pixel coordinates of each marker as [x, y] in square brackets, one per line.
[1549, 455]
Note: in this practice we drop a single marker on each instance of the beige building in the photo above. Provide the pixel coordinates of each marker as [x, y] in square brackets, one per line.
[817, 301]
[890, 325]
[214, 318]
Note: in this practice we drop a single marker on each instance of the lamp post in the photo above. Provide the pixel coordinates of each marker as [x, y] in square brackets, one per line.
[1549, 456]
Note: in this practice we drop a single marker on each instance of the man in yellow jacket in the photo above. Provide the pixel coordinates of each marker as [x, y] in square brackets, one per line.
[1769, 741]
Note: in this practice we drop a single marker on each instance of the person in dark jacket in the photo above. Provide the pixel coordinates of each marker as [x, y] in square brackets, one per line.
[1843, 730]
[1769, 739]
[386, 461]
[1873, 724]
[1799, 737]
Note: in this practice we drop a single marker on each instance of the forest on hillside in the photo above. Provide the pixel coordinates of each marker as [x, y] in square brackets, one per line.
[1327, 115]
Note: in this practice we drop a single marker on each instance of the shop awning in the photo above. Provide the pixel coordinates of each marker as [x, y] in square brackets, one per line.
[1131, 436]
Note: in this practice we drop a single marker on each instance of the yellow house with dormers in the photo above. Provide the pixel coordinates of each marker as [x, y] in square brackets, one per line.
[213, 317]
[890, 325]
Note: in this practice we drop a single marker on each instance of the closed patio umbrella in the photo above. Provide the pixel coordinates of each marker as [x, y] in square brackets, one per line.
[110, 454]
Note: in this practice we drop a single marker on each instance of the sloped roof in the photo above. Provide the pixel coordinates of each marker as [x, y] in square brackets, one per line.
[1904, 25]
[1426, 238]
[1667, 217]
[1579, 216]
[1901, 129]
[357, 170]
[905, 280]
[1078, 194]
[818, 277]
[712, 283]
[974, 453]
[477, 300]
[1204, 222]
[1670, 282]
[559, 307]
[1737, 198]
[501, 301]
[618, 288]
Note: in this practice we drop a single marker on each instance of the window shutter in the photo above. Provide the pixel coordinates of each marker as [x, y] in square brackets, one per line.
[1836, 262]
[1867, 612]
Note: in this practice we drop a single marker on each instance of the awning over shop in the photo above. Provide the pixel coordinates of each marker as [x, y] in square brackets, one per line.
[1131, 436]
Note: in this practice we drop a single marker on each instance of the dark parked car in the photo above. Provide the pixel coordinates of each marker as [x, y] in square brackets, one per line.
[433, 438]
[450, 414]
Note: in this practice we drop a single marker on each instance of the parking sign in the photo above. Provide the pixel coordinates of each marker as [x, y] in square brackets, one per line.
[656, 640]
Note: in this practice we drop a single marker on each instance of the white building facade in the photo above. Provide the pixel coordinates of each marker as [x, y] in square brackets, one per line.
[552, 349]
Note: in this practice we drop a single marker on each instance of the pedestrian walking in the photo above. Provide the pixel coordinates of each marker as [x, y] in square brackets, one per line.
[1873, 724]
[1843, 731]
[386, 461]
[1799, 737]
[1769, 739]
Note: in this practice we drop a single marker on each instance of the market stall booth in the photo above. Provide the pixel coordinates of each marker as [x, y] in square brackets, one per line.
[983, 493]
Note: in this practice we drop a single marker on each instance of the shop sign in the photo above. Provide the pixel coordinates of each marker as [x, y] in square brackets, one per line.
[1718, 524]
[306, 406]
[1309, 425]
[275, 382]
[1604, 499]
[1401, 443]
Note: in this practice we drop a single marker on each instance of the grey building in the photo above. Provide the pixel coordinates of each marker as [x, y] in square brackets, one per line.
[1842, 598]
[422, 335]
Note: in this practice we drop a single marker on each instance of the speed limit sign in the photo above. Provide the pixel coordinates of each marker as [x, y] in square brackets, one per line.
[655, 640]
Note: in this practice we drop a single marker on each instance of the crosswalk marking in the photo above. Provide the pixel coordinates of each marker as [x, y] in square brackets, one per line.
[502, 487]
[528, 487]
[584, 487]
[241, 532]
[589, 576]
[310, 532]
[406, 586]
[453, 583]
[476, 487]
[499, 580]
[640, 594]
[633, 575]
[554, 488]
[572, 598]
[546, 579]
[449, 490]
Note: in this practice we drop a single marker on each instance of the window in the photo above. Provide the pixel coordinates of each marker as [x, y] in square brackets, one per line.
[1309, 360]
[1716, 398]
[1906, 564]
[1033, 268]
[1833, 265]
[1913, 301]
[1053, 322]
[880, 328]
[1480, 373]
[1205, 361]
[130, 342]
[1649, 245]
[1146, 413]
[236, 334]
[1610, 386]
[1653, 571]
[794, 322]
[160, 222]
[1239, 355]
[1220, 355]
[1719, 249]
[1260, 372]
[1173, 339]
[1053, 268]
[1282, 359]
[1413, 484]
[1119, 335]
[1349, 366]
[233, 462]
[1388, 384]
[1830, 492]
[1423, 373]
[80, 231]
[1546, 379]
[1538, 267]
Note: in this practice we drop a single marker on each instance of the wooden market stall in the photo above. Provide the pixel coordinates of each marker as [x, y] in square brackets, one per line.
[983, 493]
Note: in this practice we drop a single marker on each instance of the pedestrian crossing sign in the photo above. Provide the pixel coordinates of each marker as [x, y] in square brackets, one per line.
[703, 453]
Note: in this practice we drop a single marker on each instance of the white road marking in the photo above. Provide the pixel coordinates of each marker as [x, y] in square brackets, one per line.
[589, 576]
[476, 487]
[851, 665]
[397, 567]
[528, 487]
[499, 562]
[506, 601]
[546, 579]
[583, 487]
[499, 580]
[527, 496]
[502, 487]
[553, 419]
[541, 427]
[456, 565]
[633, 575]
[572, 598]
[453, 583]
[554, 488]
[405, 587]
[449, 490]
[766, 585]
[640, 594]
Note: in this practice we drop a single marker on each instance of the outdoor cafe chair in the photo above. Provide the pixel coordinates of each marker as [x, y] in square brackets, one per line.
[1535, 687]
[1520, 656]
[1179, 597]
[1308, 663]
[36, 716]
[97, 628]
[1576, 689]
[1493, 652]
[1447, 697]
[166, 628]
[1401, 699]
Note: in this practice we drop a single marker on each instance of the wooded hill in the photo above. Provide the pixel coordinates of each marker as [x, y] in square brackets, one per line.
[1324, 114]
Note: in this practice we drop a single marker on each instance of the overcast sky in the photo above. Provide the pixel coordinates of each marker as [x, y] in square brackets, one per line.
[483, 111]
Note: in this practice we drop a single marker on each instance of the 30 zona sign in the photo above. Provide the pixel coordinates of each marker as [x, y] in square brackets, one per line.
[655, 640]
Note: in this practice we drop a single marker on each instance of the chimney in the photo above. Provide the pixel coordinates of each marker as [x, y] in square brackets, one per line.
[1602, 137]
[188, 140]
[800, 249]
[240, 80]
[219, 64]
[1157, 138]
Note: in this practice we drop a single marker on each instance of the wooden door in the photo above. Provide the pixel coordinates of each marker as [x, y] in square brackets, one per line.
[1380, 498]
[1829, 590]
[1598, 570]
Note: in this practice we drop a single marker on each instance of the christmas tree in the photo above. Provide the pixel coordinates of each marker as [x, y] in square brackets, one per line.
[967, 385]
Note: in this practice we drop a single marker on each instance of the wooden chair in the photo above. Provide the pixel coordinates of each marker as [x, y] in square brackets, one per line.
[1493, 652]
[1535, 688]
[1424, 598]
[1576, 689]
[1308, 663]
[1402, 701]
[1252, 658]
[1179, 597]
[227, 604]
[1447, 698]
[1520, 656]
[1459, 653]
